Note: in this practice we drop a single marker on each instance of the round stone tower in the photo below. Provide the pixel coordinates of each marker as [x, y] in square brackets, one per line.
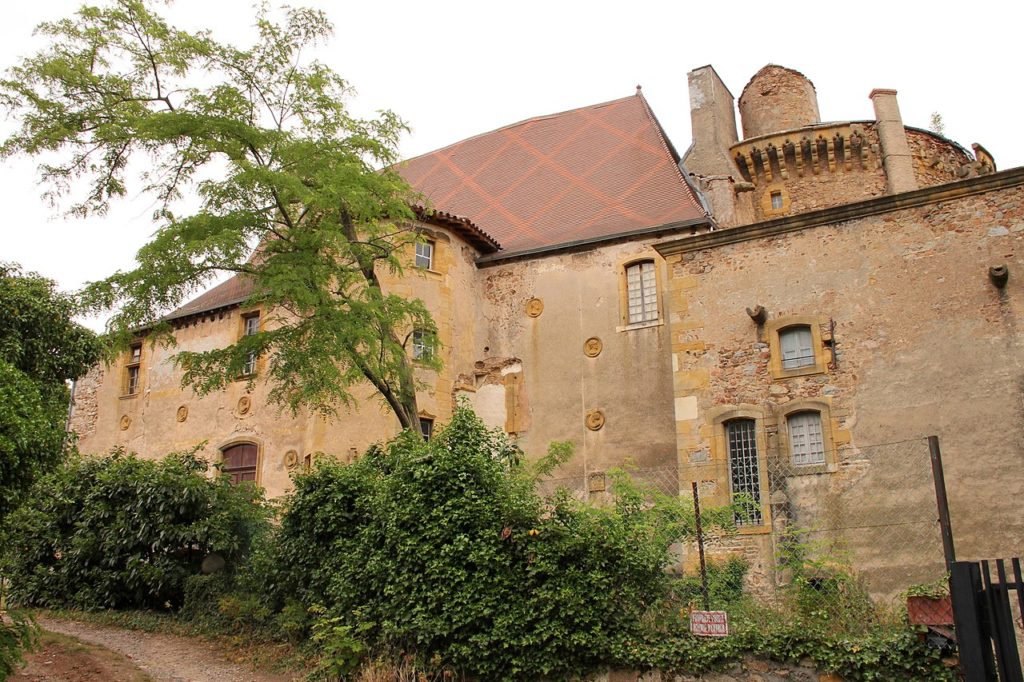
[777, 99]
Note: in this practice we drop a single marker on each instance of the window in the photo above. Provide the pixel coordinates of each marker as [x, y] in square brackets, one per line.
[776, 199]
[744, 470]
[251, 328]
[797, 347]
[422, 345]
[240, 461]
[425, 255]
[806, 440]
[133, 369]
[641, 292]
[426, 428]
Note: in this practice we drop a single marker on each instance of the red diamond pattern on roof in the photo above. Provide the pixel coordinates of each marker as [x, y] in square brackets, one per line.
[591, 172]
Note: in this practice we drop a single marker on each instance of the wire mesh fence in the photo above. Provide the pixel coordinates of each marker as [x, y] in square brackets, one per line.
[840, 532]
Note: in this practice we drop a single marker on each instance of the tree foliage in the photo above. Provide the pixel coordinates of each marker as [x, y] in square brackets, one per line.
[261, 140]
[443, 550]
[41, 349]
[120, 532]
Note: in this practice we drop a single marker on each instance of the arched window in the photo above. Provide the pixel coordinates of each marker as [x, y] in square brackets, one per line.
[744, 470]
[806, 440]
[240, 462]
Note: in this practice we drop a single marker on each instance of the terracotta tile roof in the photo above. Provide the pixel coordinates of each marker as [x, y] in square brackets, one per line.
[585, 173]
[581, 174]
[239, 288]
[462, 226]
[231, 292]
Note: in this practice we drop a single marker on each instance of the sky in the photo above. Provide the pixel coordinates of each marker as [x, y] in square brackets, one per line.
[456, 69]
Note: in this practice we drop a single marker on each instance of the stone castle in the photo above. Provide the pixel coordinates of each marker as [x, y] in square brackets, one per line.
[752, 316]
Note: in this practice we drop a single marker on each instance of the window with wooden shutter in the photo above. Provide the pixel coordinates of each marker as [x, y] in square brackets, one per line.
[641, 292]
[240, 462]
[806, 441]
[797, 347]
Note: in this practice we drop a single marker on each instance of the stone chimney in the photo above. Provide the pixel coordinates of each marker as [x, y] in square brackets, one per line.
[896, 159]
[713, 124]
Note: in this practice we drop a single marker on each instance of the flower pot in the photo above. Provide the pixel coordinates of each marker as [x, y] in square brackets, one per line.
[930, 610]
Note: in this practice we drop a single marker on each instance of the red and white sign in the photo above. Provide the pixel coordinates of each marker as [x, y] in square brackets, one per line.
[709, 623]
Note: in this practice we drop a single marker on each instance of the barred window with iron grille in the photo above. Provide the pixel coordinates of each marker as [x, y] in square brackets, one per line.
[744, 470]
[806, 440]
[641, 292]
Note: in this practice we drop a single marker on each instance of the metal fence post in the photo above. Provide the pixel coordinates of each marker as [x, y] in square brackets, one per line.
[942, 502]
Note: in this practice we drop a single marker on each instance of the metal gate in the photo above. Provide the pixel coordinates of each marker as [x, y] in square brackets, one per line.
[986, 625]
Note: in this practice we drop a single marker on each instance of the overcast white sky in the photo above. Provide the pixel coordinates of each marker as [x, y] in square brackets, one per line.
[456, 69]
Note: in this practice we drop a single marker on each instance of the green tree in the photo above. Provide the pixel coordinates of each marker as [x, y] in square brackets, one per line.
[41, 349]
[261, 141]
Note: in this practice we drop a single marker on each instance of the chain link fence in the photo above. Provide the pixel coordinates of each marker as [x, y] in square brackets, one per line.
[844, 532]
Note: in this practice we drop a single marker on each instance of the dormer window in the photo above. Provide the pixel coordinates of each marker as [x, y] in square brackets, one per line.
[776, 198]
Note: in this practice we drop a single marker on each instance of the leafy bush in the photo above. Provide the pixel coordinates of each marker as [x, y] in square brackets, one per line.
[442, 550]
[17, 632]
[121, 532]
[824, 587]
[725, 584]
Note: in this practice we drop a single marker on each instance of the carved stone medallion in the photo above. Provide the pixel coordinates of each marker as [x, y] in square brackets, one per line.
[126, 421]
[291, 459]
[244, 404]
[592, 347]
[182, 413]
[534, 307]
[595, 420]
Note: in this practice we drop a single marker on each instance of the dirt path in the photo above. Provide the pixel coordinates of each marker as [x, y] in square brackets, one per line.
[163, 658]
[65, 659]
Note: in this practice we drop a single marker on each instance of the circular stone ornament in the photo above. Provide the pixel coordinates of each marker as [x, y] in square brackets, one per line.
[291, 459]
[182, 414]
[592, 347]
[126, 421]
[595, 420]
[244, 404]
[534, 307]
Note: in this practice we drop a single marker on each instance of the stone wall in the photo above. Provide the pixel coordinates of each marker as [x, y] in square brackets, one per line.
[925, 344]
[750, 669]
[935, 160]
[775, 99]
